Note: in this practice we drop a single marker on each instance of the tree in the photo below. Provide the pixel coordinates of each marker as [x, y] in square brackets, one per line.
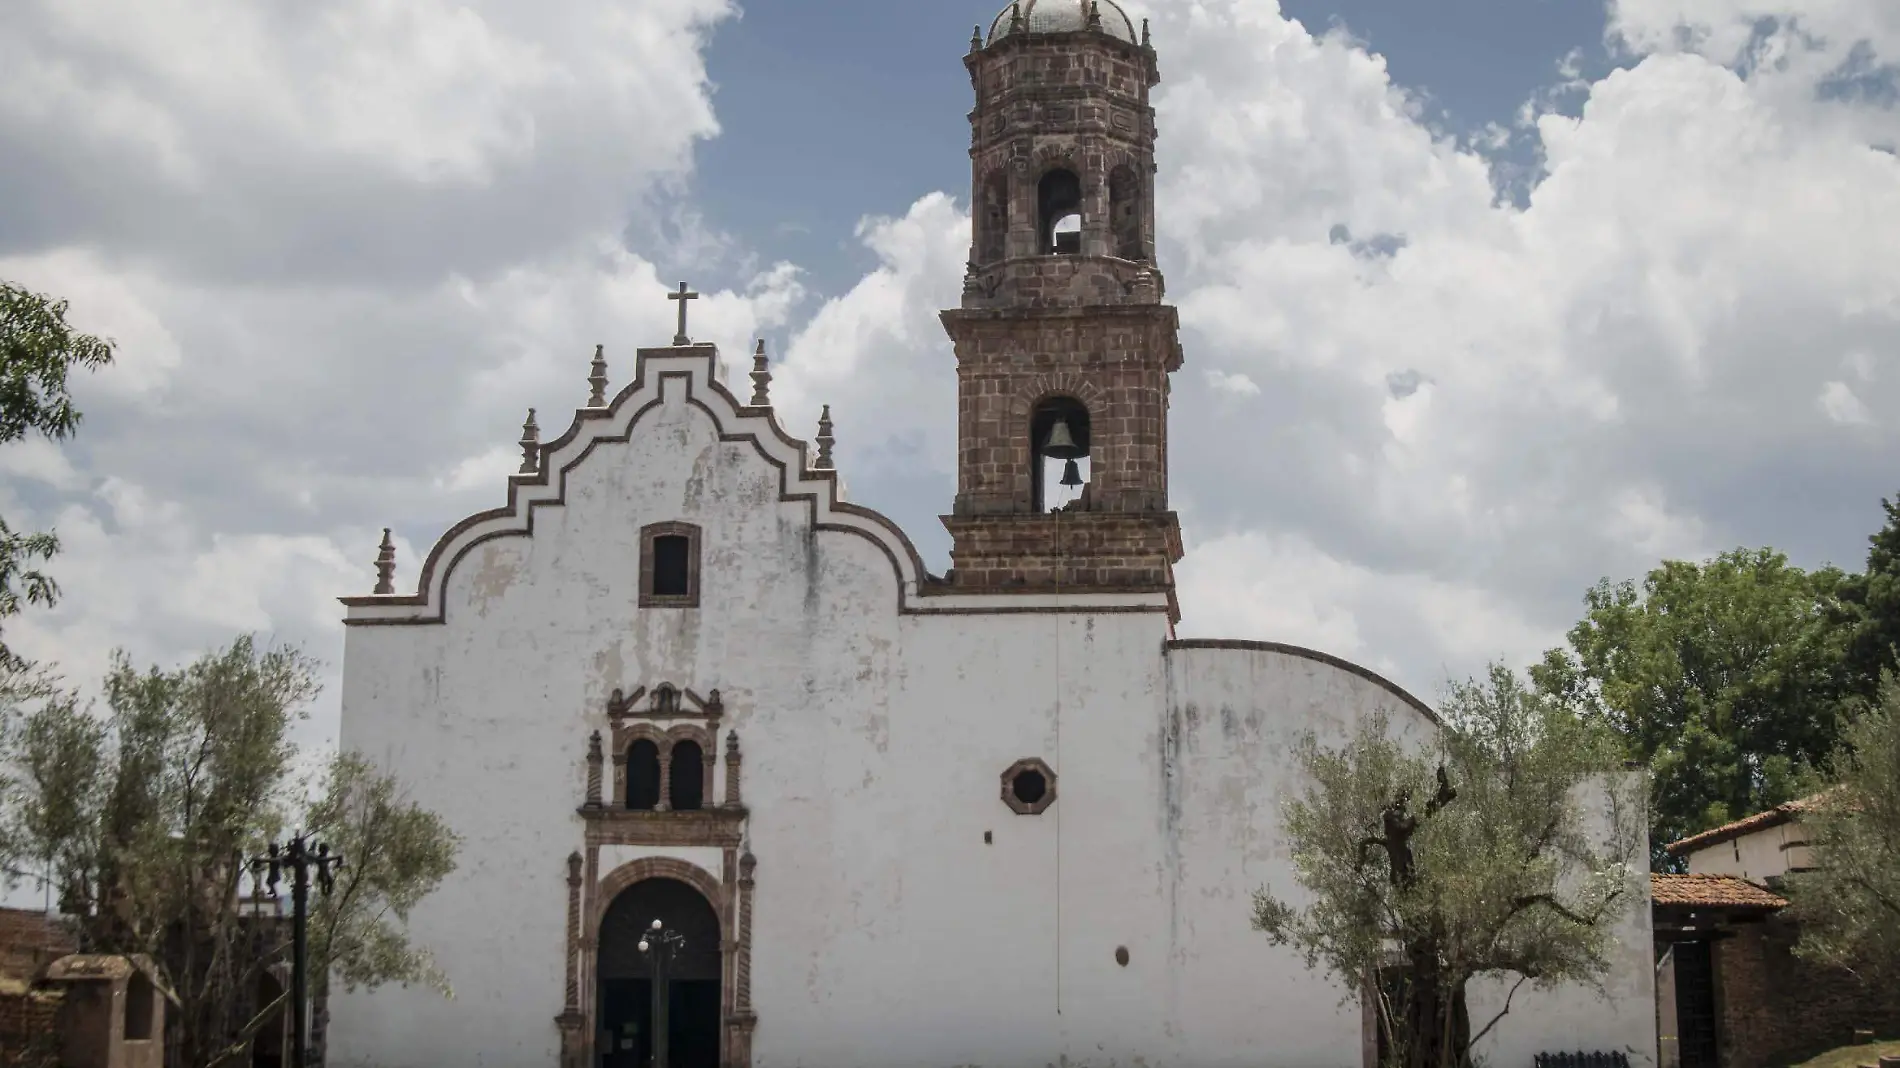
[145, 819]
[1874, 598]
[1726, 678]
[1848, 906]
[1499, 873]
[37, 352]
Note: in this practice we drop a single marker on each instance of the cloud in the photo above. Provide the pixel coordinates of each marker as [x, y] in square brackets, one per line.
[1418, 418]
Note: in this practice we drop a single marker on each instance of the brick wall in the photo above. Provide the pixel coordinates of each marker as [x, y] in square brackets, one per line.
[1775, 1007]
[29, 941]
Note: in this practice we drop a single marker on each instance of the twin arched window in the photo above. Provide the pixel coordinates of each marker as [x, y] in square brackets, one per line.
[680, 780]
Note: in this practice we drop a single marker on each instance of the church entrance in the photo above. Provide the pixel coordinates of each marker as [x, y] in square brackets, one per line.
[625, 1012]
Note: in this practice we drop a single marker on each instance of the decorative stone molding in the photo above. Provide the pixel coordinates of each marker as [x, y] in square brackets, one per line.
[735, 939]
[648, 534]
[721, 826]
[1029, 786]
[572, 1021]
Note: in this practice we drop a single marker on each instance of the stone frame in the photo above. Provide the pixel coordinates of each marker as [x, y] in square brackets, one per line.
[674, 528]
[1035, 764]
[729, 895]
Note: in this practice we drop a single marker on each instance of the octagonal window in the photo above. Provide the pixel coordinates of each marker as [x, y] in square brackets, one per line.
[1029, 786]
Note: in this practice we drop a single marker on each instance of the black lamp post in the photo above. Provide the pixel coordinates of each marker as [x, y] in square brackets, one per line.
[302, 861]
[661, 946]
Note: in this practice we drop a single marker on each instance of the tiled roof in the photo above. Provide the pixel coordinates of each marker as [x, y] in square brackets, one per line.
[1776, 816]
[1711, 891]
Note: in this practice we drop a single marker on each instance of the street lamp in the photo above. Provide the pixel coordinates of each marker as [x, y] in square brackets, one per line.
[301, 861]
[661, 945]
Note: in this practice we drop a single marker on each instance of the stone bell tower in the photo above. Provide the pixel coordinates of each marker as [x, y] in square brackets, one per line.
[1063, 345]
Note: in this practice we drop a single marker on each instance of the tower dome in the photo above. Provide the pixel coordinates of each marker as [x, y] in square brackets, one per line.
[1063, 16]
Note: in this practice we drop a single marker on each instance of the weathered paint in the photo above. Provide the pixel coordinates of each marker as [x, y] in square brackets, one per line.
[903, 914]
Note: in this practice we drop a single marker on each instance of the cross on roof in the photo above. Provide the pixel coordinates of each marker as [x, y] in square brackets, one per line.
[682, 296]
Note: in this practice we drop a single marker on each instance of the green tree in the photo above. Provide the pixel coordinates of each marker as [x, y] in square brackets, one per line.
[37, 353]
[1727, 678]
[1849, 904]
[1499, 873]
[1874, 598]
[145, 818]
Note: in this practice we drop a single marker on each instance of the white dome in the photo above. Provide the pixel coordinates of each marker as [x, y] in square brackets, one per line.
[1064, 16]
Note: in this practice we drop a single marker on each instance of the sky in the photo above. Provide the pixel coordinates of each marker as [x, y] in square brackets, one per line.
[1482, 300]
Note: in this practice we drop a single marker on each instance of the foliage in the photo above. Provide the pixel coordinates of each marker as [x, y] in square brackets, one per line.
[1874, 597]
[1501, 872]
[37, 352]
[1849, 905]
[146, 818]
[1726, 678]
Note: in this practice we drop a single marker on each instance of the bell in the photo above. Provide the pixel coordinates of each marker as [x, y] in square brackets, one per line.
[1061, 444]
[1071, 475]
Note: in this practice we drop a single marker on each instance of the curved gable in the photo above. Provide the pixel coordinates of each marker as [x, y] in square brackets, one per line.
[658, 373]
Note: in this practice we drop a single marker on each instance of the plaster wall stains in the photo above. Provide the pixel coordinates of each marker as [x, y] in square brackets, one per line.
[903, 915]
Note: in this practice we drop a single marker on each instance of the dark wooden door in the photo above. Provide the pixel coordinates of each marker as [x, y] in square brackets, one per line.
[1695, 1005]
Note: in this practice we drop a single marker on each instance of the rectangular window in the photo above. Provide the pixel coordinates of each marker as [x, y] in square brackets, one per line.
[671, 553]
[669, 566]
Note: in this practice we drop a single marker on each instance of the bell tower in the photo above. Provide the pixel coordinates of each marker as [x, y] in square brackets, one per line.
[1063, 345]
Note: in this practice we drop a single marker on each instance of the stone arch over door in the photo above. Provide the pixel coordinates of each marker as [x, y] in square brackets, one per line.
[734, 1018]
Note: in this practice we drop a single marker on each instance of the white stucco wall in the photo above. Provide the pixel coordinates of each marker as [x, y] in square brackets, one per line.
[1758, 856]
[887, 932]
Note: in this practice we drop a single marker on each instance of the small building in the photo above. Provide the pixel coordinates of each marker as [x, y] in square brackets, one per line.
[1730, 992]
[112, 1014]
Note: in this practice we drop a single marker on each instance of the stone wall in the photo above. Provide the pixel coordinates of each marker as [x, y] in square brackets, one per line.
[1773, 1006]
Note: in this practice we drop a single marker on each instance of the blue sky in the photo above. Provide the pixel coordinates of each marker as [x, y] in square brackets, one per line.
[344, 247]
[830, 111]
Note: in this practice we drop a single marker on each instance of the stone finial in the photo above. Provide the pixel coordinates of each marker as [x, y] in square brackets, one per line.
[761, 378]
[530, 445]
[1144, 34]
[825, 441]
[1095, 15]
[597, 378]
[732, 743]
[976, 38]
[1016, 16]
[574, 869]
[747, 865]
[386, 565]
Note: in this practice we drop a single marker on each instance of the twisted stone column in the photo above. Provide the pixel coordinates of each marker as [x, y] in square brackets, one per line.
[732, 769]
[593, 771]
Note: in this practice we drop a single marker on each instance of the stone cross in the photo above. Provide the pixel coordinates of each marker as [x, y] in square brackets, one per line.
[682, 296]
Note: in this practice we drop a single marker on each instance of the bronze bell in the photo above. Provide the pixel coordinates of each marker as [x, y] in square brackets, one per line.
[1061, 444]
[1071, 474]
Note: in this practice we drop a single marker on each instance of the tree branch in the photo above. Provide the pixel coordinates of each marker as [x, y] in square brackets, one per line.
[1521, 980]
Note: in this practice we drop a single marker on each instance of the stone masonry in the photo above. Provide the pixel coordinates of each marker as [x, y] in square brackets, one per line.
[1062, 127]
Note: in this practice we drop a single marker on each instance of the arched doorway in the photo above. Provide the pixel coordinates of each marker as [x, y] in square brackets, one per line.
[625, 978]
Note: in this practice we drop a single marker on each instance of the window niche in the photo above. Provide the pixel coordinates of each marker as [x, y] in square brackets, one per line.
[993, 222]
[669, 565]
[1059, 213]
[1059, 443]
[643, 775]
[1029, 787]
[1124, 213]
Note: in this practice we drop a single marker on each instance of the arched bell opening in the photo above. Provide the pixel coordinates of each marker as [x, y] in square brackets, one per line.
[1059, 443]
[1059, 213]
[671, 987]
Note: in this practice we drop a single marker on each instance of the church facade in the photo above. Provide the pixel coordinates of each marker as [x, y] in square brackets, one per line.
[884, 818]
